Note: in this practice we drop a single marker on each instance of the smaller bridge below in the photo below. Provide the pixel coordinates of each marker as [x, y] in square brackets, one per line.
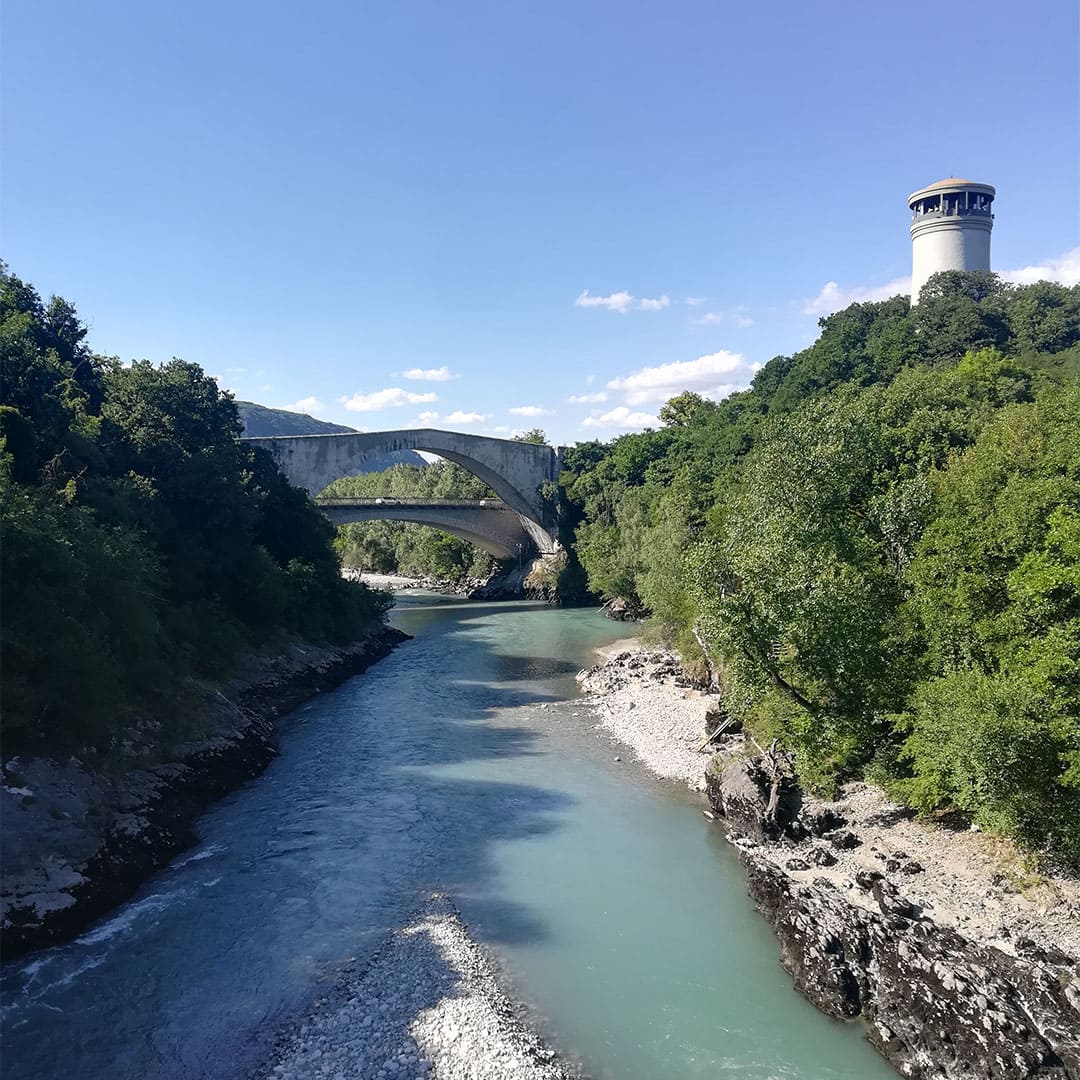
[488, 523]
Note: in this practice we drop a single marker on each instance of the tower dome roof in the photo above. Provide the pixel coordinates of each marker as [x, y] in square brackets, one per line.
[952, 183]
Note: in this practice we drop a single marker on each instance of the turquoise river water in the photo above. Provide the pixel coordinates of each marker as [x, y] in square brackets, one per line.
[616, 908]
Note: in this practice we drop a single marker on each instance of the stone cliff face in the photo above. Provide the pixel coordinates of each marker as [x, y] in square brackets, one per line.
[74, 844]
[937, 1004]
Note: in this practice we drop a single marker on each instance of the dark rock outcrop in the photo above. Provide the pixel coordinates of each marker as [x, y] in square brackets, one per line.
[74, 843]
[938, 1005]
[742, 791]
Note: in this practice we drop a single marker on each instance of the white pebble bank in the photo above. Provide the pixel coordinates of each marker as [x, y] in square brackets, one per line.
[428, 1006]
[635, 698]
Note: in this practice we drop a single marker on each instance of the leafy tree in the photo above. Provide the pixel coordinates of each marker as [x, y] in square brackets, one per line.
[684, 410]
[959, 311]
[995, 727]
[142, 546]
[1043, 318]
[533, 435]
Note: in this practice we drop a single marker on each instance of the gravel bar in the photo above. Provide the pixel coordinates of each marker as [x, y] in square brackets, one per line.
[428, 1005]
[640, 697]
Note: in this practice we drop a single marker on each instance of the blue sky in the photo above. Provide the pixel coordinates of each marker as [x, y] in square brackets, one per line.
[514, 204]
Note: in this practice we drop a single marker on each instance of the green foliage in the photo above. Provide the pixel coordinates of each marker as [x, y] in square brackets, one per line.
[439, 480]
[19, 439]
[994, 728]
[877, 544]
[143, 546]
[533, 435]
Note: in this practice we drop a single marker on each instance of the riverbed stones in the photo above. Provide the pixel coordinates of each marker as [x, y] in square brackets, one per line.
[821, 856]
[429, 1004]
[636, 699]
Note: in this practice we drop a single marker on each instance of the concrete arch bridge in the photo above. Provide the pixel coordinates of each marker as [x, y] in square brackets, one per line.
[488, 523]
[515, 471]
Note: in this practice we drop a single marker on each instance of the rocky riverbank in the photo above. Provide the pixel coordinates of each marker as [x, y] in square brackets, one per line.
[535, 580]
[75, 842]
[428, 1005]
[962, 962]
[641, 697]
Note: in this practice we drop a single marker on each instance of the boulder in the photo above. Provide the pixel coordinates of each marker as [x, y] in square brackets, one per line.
[742, 791]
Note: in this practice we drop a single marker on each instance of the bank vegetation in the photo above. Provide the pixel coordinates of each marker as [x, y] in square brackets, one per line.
[874, 551]
[144, 549]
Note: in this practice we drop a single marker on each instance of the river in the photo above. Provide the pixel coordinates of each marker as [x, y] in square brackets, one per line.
[462, 763]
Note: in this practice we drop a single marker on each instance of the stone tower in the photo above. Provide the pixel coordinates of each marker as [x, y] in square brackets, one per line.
[950, 229]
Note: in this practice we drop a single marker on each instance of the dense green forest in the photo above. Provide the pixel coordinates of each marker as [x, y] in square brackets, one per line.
[874, 550]
[143, 548]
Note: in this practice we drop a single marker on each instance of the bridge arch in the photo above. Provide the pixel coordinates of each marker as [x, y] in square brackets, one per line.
[513, 470]
[487, 523]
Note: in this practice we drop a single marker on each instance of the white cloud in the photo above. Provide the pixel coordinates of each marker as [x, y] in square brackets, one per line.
[693, 301]
[589, 380]
[621, 417]
[713, 318]
[390, 398]
[833, 297]
[622, 302]
[268, 386]
[1065, 270]
[501, 429]
[713, 376]
[429, 418]
[438, 374]
[529, 410]
[588, 399]
[618, 301]
[461, 417]
[654, 305]
[305, 405]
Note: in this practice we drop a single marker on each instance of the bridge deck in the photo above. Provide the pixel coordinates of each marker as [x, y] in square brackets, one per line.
[389, 500]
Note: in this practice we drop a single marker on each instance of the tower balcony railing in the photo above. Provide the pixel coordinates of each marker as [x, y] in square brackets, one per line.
[953, 211]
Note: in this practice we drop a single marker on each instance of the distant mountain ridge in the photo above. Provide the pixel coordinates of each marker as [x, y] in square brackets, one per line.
[261, 422]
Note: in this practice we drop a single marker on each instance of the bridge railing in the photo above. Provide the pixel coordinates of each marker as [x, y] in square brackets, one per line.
[387, 500]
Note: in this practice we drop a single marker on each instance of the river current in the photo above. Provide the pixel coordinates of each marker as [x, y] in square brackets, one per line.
[460, 763]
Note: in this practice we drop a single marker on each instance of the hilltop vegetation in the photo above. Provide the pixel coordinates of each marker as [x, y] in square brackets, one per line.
[143, 547]
[260, 422]
[875, 550]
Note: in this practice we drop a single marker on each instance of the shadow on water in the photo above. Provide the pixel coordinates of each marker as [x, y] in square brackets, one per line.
[385, 790]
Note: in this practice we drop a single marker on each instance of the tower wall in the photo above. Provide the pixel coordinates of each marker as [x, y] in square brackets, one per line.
[948, 244]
